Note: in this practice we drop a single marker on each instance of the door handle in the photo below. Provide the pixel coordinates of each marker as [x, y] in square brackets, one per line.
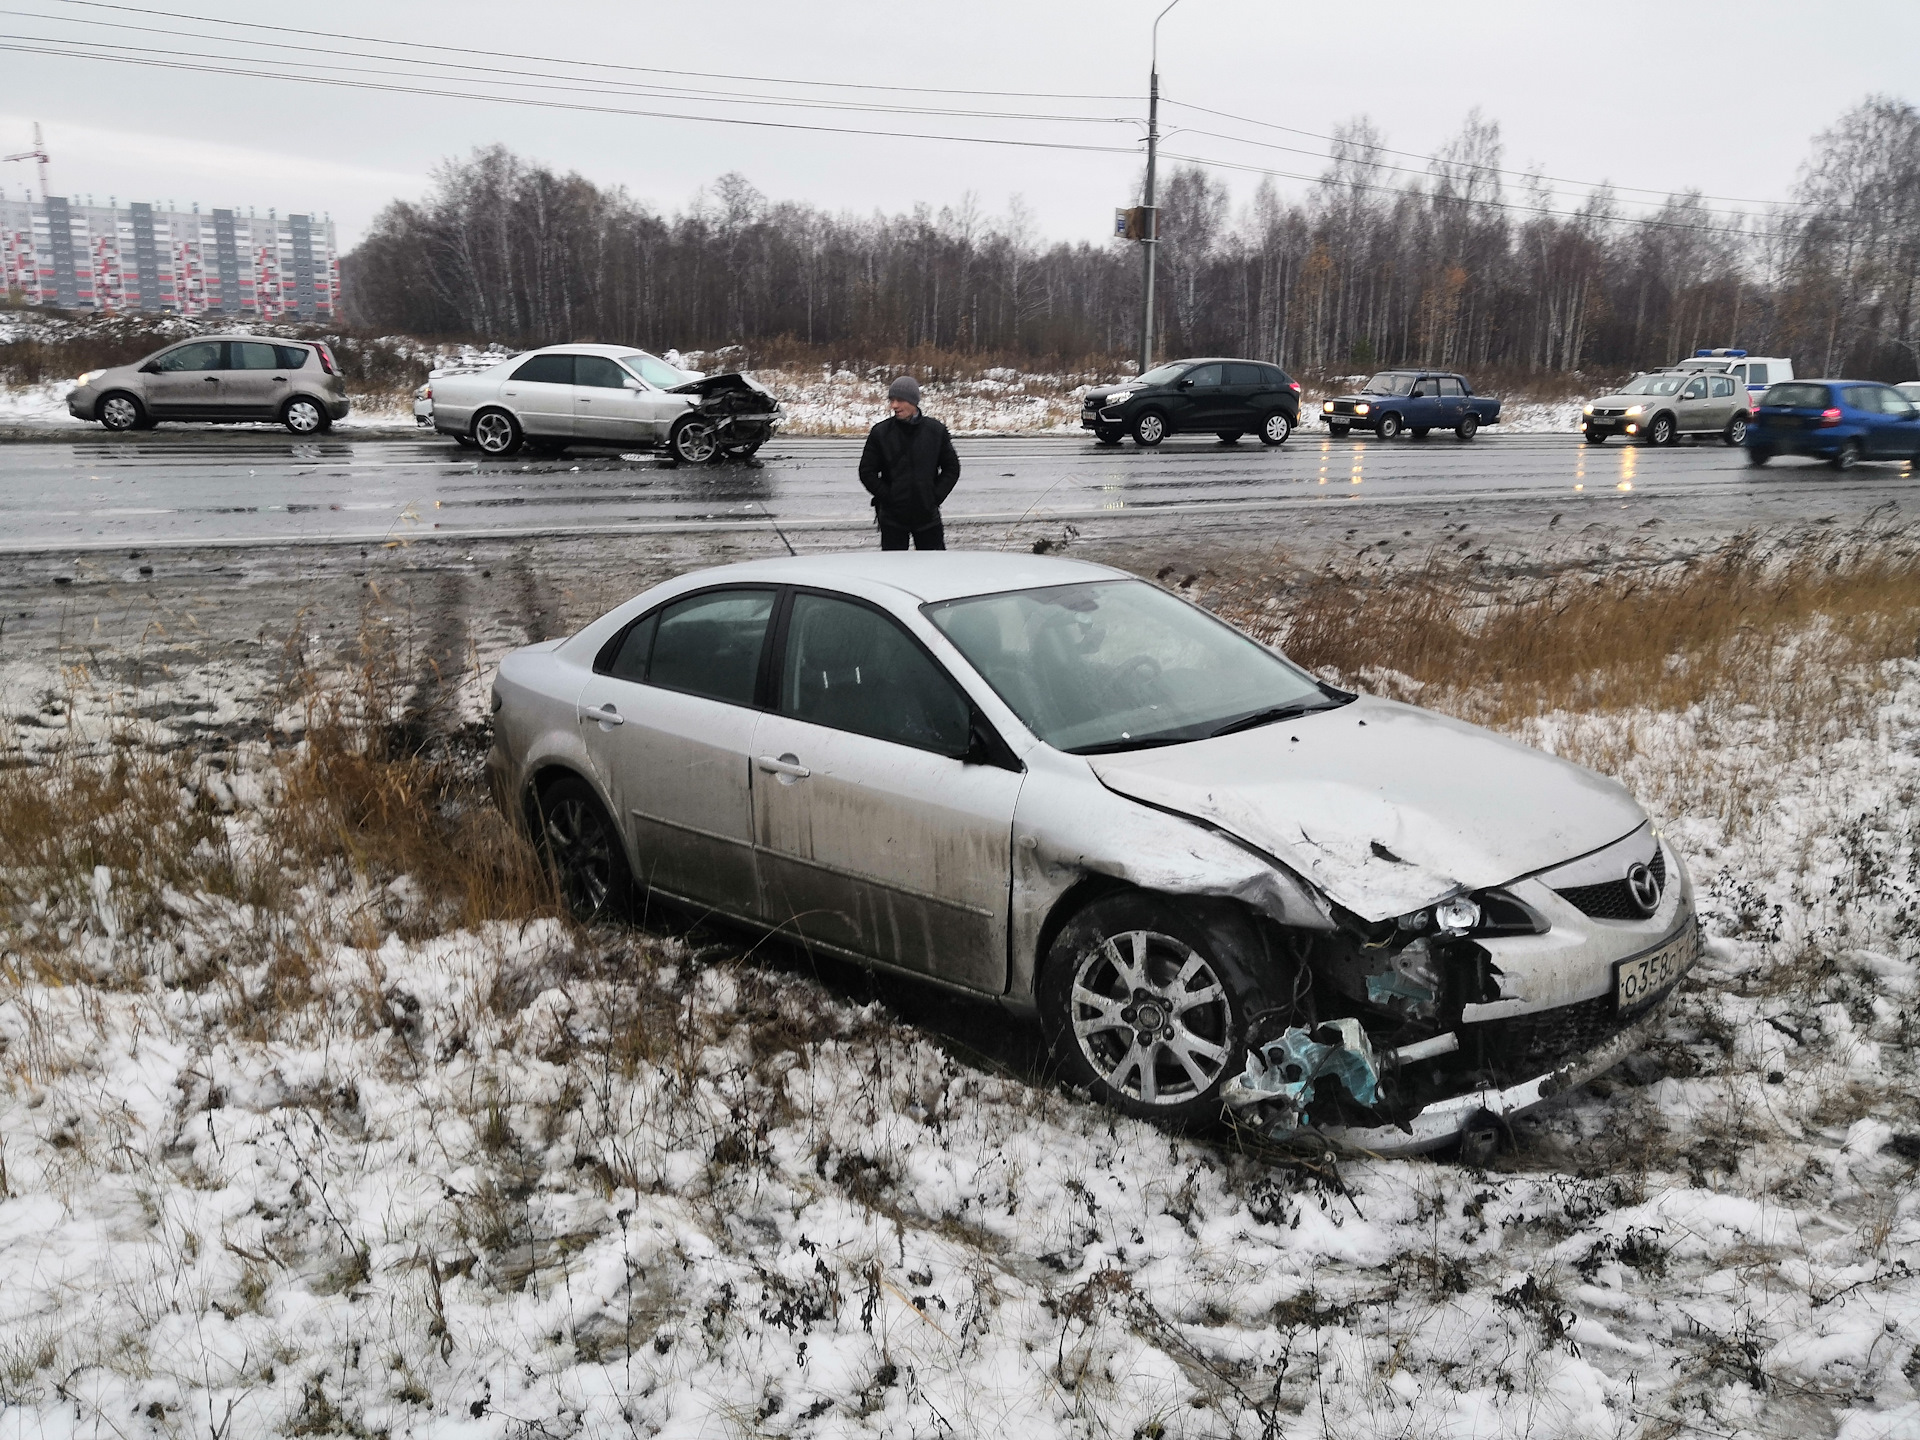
[608, 716]
[787, 765]
[212, 379]
[279, 379]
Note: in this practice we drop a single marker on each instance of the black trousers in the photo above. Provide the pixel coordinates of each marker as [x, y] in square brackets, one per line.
[895, 536]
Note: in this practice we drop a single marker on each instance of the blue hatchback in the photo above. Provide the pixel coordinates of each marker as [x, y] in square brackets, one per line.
[1839, 421]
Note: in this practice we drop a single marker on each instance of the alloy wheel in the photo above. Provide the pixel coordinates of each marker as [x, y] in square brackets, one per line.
[1737, 430]
[118, 412]
[1660, 432]
[493, 432]
[1152, 1018]
[695, 442]
[582, 856]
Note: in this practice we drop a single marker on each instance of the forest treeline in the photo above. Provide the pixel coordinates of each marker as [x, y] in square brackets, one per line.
[1462, 264]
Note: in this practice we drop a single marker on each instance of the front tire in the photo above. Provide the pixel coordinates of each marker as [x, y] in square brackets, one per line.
[1736, 431]
[1847, 456]
[1228, 437]
[465, 442]
[1149, 428]
[1109, 434]
[120, 411]
[584, 853]
[1596, 437]
[1389, 427]
[1275, 429]
[1661, 432]
[1146, 1003]
[497, 433]
[304, 416]
[1339, 432]
[1468, 428]
[693, 440]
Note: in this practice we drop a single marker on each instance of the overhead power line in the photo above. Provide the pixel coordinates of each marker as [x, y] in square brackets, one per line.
[1438, 160]
[333, 37]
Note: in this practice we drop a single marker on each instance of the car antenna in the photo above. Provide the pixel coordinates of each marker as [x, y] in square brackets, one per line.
[776, 529]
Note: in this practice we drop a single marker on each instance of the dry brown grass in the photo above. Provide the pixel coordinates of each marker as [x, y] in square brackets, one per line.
[1796, 630]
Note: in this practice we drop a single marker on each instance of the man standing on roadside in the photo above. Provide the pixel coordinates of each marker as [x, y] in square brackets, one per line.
[909, 467]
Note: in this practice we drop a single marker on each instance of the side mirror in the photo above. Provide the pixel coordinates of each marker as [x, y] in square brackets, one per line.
[631, 384]
[1186, 384]
[984, 747]
[152, 367]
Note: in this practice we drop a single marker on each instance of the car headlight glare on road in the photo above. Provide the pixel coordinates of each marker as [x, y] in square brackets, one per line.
[1636, 409]
[1456, 916]
[89, 377]
[1362, 408]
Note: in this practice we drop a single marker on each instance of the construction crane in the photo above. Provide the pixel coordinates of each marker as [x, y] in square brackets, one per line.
[39, 152]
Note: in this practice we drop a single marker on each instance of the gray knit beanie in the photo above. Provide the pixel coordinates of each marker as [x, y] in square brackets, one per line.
[905, 388]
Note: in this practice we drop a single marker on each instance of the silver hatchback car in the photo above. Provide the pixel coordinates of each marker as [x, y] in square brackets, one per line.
[1221, 884]
[218, 377]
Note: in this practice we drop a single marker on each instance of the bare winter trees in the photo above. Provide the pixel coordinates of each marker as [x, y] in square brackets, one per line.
[1458, 262]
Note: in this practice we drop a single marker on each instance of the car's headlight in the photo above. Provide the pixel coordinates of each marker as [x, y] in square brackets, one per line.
[1327, 406]
[1118, 397]
[89, 377]
[1456, 917]
[1636, 409]
[1588, 410]
[1362, 408]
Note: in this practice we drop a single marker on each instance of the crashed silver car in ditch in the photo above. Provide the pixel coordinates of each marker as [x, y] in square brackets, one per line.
[1223, 886]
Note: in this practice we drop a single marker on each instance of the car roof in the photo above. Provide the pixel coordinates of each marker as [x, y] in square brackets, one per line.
[239, 335]
[925, 575]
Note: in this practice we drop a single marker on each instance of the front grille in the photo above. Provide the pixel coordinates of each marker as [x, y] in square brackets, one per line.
[1343, 407]
[1613, 900]
[1603, 413]
[1522, 1046]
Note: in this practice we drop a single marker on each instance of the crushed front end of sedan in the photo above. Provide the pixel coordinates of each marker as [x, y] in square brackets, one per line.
[734, 415]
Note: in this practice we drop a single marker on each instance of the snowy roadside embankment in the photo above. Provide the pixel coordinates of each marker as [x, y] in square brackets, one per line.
[289, 1150]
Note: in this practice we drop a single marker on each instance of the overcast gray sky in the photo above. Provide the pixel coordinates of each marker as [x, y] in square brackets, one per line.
[1663, 95]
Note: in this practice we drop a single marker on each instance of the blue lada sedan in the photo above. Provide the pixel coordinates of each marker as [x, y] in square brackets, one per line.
[1839, 421]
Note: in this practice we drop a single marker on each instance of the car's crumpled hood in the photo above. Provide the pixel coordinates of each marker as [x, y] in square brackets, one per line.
[732, 380]
[1384, 806]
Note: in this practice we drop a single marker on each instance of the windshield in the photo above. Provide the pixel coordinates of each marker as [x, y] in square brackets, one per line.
[654, 370]
[1159, 375]
[1120, 664]
[1653, 385]
[1388, 382]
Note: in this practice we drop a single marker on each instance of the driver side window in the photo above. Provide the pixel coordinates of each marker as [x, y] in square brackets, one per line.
[854, 669]
[205, 355]
[1426, 388]
[1696, 389]
[1203, 377]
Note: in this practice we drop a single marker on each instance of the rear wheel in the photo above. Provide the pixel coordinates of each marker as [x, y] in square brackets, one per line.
[1736, 431]
[1468, 428]
[1146, 1002]
[1661, 431]
[496, 433]
[1149, 428]
[120, 411]
[1228, 437]
[1847, 456]
[1389, 427]
[304, 416]
[583, 851]
[693, 440]
[1758, 454]
[1109, 434]
[1275, 429]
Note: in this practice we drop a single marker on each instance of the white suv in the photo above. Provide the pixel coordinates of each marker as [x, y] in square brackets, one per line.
[1756, 372]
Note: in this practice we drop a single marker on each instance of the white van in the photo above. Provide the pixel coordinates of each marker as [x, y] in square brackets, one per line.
[1756, 372]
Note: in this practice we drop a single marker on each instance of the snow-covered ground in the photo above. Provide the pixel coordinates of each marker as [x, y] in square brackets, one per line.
[284, 1154]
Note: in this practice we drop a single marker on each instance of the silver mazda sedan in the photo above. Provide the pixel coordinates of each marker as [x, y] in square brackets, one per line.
[1223, 885]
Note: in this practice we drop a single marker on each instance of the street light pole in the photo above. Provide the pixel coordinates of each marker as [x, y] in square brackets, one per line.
[1150, 240]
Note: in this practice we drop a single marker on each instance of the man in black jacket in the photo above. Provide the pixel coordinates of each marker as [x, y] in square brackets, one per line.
[909, 467]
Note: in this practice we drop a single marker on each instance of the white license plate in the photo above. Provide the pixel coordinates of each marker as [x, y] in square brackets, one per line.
[1637, 982]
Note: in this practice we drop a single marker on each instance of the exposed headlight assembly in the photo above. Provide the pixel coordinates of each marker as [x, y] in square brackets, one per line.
[1456, 916]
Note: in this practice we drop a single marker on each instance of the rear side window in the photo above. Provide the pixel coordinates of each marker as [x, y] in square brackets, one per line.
[292, 357]
[1798, 396]
[854, 669]
[547, 370]
[1247, 375]
[250, 355]
[1451, 386]
[202, 355]
[599, 371]
[710, 644]
[1275, 377]
[1722, 386]
[626, 658]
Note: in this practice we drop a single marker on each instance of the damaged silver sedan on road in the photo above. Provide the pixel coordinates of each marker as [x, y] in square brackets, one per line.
[1223, 886]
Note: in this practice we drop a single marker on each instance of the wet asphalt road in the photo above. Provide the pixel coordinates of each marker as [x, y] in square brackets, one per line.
[247, 489]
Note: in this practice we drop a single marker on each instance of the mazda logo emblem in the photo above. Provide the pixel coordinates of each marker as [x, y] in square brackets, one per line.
[1644, 886]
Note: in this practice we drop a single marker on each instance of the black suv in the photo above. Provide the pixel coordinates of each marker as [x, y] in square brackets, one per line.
[1229, 397]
